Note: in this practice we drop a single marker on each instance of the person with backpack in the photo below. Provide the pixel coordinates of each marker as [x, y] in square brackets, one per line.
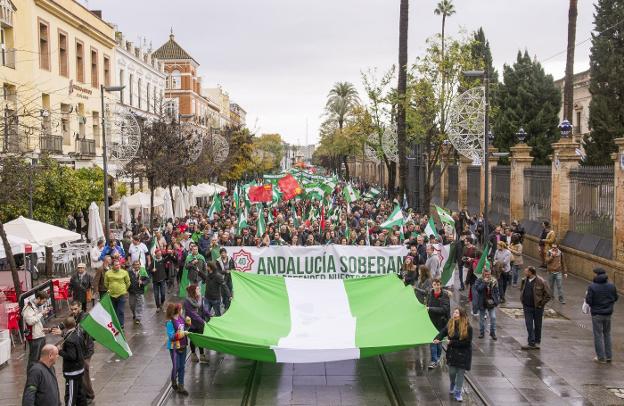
[487, 299]
[72, 352]
[33, 317]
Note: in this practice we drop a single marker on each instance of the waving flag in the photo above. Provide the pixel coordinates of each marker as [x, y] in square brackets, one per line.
[215, 207]
[448, 262]
[242, 221]
[260, 194]
[484, 262]
[260, 224]
[395, 219]
[289, 187]
[372, 194]
[272, 319]
[102, 324]
[430, 229]
[350, 195]
[445, 217]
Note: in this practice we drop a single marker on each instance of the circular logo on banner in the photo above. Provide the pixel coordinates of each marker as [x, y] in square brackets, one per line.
[242, 261]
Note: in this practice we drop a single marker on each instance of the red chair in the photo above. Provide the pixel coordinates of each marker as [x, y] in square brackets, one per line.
[13, 322]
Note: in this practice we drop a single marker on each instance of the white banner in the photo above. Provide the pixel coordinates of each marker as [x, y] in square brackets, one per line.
[319, 261]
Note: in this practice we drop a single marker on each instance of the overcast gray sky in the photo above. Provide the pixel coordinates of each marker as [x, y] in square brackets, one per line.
[279, 58]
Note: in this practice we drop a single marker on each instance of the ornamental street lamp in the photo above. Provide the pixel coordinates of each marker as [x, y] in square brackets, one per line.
[521, 135]
[104, 153]
[483, 75]
[565, 128]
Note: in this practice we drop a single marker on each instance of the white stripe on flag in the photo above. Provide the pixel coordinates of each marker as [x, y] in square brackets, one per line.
[321, 323]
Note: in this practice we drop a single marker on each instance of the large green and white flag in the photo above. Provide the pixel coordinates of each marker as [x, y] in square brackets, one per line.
[430, 228]
[371, 194]
[101, 323]
[445, 216]
[448, 262]
[484, 261]
[260, 223]
[395, 219]
[314, 191]
[274, 319]
[242, 221]
[350, 195]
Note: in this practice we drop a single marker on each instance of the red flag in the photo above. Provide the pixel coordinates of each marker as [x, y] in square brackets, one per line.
[258, 194]
[322, 217]
[289, 187]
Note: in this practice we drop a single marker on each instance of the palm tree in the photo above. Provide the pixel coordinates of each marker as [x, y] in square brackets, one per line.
[445, 8]
[341, 100]
[401, 90]
[568, 93]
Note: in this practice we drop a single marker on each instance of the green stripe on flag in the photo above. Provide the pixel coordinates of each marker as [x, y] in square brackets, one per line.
[102, 324]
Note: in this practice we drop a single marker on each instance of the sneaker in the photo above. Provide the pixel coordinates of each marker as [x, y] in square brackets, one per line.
[433, 365]
[203, 359]
[562, 301]
[182, 391]
[158, 310]
[494, 337]
[600, 360]
[608, 360]
[529, 347]
[194, 358]
[458, 396]
[481, 335]
[452, 391]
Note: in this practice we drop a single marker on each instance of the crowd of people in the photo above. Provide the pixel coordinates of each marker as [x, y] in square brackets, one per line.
[194, 246]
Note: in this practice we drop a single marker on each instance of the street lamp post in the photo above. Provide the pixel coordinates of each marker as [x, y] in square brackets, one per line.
[104, 153]
[483, 74]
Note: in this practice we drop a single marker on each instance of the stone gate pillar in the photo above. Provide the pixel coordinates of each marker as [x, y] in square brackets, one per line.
[462, 184]
[618, 216]
[520, 159]
[493, 162]
[564, 159]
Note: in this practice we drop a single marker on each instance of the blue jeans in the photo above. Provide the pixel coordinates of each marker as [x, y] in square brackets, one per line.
[515, 273]
[213, 304]
[159, 293]
[456, 375]
[119, 304]
[178, 361]
[491, 313]
[475, 302]
[555, 278]
[533, 320]
[601, 325]
[436, 352]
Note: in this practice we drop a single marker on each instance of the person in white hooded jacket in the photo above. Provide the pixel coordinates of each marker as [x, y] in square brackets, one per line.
[33, 317]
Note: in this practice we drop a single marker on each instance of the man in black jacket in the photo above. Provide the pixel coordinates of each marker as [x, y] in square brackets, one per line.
[88, 348]
[601, 296]
[72, 351]
[439, 308]
[225, 265]
[215, 289]
[41, 385]
[159, 279]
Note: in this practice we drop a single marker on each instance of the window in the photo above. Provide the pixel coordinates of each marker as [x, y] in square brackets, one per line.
[96, 127]
[139, 91]
[80, 62]
[147, 97]
[63, 58]
[94, 68]
[44, 45]
[131, 85]
[176, 80]
[122, 81]
[578, 122]
[66, 110]
[106, 71]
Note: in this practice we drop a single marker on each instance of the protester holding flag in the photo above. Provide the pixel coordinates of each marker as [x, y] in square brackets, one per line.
[117, 282]
[72, 353]
[177, 343]
[136, 291]
[215, 290]
[194, 309]
[88, 348]
[458, 351]
[225, 265]
[438, 306]
[159, 279]
[422, 285]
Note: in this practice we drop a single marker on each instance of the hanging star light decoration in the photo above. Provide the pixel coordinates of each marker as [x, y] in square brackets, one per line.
[467, 123]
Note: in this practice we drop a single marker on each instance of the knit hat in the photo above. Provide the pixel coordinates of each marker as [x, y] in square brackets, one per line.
[599, 271]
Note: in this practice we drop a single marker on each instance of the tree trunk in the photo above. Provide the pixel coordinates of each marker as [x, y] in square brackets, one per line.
[9, 256]
[401, 90]
[568, 89]
[347, 174]
[49, 264]
[150, 184]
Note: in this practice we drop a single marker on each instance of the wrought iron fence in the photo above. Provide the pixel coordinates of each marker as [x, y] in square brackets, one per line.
[435, 179]
[499, 207]
[537, 191]
[453, 192]
[592, 203]
[474, 190]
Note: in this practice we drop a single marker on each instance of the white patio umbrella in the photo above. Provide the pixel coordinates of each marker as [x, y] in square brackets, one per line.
[139, 200]
[168, 206]
[124, 208]
[179, 207]
[187, 200]
[96, 231]
[18, 245]
[192, 197]
[39, 232]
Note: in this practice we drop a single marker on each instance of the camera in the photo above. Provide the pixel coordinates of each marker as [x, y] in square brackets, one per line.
[61, 326]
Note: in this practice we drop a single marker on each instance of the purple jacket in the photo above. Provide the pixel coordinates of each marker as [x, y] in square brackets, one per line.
[196, 314]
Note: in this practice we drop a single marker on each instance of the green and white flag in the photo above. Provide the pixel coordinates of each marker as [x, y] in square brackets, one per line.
[260, 224]
[314, 191]
[242, 220]
[101, 323]
[272, 319]
[270, 217]
[395, 219]
[236, 199]
[367, 234]
[430, 228]
[484, 262]
[350, 195]
[215, 207]
[371, 194]
[445, 216]
[448, 262]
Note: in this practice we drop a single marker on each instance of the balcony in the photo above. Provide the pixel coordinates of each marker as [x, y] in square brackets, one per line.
[7, 58]
[51, 144]
[14, 144]
[85, 147]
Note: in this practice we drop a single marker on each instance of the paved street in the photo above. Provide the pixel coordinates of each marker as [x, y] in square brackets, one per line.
[561, 373]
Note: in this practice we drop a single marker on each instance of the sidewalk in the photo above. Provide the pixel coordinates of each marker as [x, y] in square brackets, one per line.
[135, 381]
[562, 372]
